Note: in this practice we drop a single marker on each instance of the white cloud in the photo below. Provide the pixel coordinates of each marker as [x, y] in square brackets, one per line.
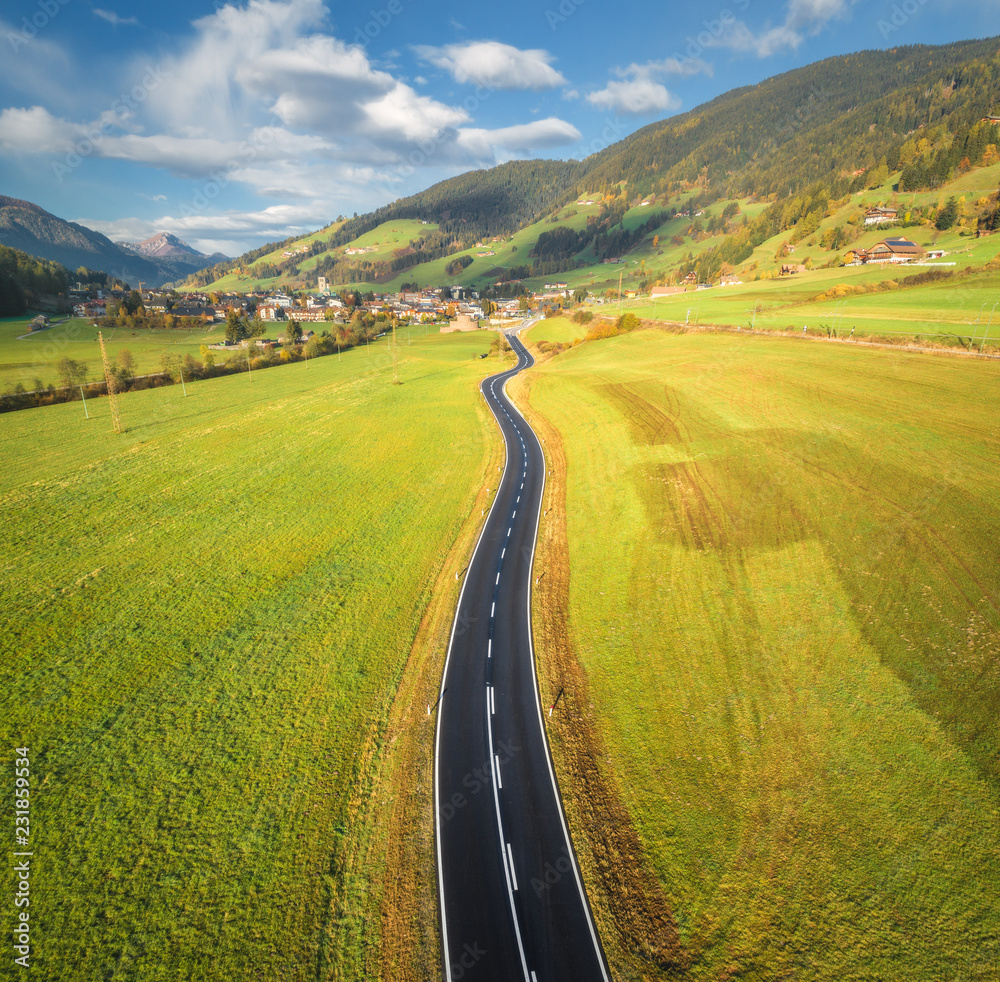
[634, 97]
[114, 19]
[482, 144]
[638, 91]
[803, 18]
[497, 65]
[262, 99]
[37, 131]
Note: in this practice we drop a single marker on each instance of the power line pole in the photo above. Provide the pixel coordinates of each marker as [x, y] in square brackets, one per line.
[395, 358]
[112, 391]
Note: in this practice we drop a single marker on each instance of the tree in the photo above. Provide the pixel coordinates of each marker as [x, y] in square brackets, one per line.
[293, 332]
[580, 294]
[947, 216]
[71, 373]
[126, 365]
[236, 328]
[132, 304]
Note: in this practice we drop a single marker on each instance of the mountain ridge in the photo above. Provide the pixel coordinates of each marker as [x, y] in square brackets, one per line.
[166, 245]
[29, 228]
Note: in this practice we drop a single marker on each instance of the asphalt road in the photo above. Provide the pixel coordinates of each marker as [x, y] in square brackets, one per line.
[512, 902]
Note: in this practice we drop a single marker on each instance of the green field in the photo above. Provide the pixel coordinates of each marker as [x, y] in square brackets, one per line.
[206, 621]
[959, 306]
[784, 594]
[560, 330]
[35, 358]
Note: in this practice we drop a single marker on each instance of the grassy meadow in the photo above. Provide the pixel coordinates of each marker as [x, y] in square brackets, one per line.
[206, 623]
[784, 597]
[27, 360]
[939, 312]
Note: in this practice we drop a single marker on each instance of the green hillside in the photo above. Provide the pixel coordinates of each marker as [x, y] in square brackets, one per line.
[852, 128]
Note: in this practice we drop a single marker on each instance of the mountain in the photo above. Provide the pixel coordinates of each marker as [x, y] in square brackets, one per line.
[31, 229]
[163, 245]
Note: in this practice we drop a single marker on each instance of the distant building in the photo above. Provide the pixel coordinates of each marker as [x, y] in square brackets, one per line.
[892, 251]
[876, 216]
[463, 322]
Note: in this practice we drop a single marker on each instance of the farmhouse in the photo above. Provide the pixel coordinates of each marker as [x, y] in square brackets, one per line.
[875, 216]
[892, 251]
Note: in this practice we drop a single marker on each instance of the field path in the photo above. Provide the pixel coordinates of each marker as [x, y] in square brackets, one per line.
[512, 901]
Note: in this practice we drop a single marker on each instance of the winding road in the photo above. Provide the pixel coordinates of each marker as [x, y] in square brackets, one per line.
[512, 902]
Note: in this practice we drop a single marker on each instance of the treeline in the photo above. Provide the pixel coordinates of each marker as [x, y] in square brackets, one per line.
[927, 163]
[555, 250]
[362, 329]
[23, 278]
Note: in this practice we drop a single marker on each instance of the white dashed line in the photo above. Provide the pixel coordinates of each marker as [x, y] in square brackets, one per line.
[510, 856]
[499, 778]
[498, 579]
[493, 609]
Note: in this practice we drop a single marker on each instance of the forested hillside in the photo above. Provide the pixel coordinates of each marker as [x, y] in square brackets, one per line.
[23, 277]
[806, 137]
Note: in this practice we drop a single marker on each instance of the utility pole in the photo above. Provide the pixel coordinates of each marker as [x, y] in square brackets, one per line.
[620, 274]
[989, 323]
[112, 391]
[395, 356]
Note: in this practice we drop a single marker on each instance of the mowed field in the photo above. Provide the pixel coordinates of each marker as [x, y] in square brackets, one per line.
[205, 623]
[783, 591]
[27, 360]
[959, 307]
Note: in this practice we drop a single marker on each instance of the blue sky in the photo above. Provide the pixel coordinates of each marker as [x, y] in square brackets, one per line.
[231, 125]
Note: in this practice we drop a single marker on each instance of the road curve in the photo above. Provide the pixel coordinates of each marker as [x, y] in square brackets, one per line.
[512, 902]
